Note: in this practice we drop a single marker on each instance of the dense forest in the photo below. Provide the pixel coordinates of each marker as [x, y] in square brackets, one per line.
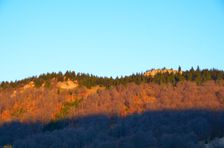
[197, 75]
[168, 110]
[155, 129]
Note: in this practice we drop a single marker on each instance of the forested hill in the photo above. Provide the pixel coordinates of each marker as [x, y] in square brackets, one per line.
[168, 110]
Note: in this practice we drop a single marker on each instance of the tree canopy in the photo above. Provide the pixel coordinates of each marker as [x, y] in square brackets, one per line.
[88, 80]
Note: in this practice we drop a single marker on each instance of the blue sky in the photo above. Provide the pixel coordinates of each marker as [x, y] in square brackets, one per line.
[109, 38]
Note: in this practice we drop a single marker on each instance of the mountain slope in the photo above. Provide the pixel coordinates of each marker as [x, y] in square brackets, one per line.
[111, 111]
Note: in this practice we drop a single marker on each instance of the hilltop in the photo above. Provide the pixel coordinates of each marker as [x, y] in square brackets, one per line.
[56, 104]
[54, 95]
[160, 76]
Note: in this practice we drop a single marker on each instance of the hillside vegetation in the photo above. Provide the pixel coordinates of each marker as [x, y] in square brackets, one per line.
[89, 80]
[167, 110]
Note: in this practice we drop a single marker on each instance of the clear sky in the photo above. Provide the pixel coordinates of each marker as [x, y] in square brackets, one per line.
[109, 37]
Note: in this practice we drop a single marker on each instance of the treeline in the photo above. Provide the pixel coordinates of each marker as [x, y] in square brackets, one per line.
[197, 75]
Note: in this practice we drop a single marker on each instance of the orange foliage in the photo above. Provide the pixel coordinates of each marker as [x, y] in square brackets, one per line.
[44, 104]
[6, 116]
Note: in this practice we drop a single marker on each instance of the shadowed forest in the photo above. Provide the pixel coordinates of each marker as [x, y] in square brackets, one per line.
[169, 110]
[165, 129]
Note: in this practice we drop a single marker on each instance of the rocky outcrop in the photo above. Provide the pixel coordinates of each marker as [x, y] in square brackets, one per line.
[67, 84]
[153, 72]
